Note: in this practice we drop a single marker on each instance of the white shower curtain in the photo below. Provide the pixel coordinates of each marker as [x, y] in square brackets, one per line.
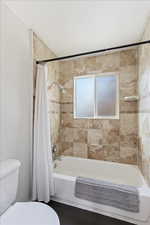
[43, 186]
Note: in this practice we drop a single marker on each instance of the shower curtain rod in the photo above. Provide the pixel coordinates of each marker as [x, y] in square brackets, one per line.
[92, 52]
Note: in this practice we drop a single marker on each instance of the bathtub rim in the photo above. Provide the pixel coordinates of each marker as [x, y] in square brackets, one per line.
[69, 177]
[116, 215]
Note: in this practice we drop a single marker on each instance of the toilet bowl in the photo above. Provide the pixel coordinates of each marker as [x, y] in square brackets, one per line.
[29, 213]
[20, 213]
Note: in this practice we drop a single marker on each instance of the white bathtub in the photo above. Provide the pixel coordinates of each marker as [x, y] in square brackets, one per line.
[68, 168]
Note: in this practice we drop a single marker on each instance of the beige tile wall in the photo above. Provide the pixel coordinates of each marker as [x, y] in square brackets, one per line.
[144, 105]
[41, 51]
[112, 140]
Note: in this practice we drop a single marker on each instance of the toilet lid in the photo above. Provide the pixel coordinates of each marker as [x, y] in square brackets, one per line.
[29, 213]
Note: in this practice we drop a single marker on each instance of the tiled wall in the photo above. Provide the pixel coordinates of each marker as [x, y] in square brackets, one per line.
[144, 105]
[112, 140]
[41, 51]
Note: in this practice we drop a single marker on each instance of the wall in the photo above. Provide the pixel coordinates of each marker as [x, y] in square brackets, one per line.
[144, 105]
[112, 140]
[41, 51]
[16, 97]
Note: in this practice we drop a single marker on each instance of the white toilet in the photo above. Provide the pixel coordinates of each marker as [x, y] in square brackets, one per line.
[20, 213]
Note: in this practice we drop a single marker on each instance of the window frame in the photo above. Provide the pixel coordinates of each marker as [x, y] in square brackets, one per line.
[94, 76]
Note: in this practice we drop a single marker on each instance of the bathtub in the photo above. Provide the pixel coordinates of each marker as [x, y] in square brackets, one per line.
[68, 168]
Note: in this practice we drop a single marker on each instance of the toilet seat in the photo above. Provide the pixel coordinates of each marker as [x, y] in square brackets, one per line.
[29, 213]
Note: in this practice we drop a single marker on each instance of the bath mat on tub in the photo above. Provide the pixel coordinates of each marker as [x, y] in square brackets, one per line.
[117, 195]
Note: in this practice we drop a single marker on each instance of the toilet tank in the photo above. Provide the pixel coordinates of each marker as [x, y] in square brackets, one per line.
[9, 171]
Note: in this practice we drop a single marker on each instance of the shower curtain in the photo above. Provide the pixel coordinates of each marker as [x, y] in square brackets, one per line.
[43, 186]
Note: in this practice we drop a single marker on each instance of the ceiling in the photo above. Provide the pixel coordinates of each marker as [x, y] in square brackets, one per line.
[69, 26]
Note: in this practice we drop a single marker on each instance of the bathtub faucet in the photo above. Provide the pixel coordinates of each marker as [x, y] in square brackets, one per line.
[54, 153]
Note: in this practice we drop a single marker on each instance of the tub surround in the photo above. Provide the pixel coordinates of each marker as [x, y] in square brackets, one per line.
[111, 140]
[144, 105]
[123, 141]
[41, 51]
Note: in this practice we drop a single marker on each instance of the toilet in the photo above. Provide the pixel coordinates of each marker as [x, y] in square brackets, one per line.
[20, 213]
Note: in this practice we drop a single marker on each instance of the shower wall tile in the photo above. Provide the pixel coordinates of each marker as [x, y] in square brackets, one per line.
[96, 152]
[144, 105]
[104, 152]
[128, 107]
[97, 138]
[80, 150]
[127, 152]
[111, 137]
[81, 123]
[67, 120]
[66, 148]
[128, 90]
[128, 149]
[108, 62]
[67, 96]
[128, 75]
[129, 141]
[128, 124]
[111, 131]
[129, 159]
[128, 57]
[112, 152]
[67, 108]
[80, 135]
[79, 66]
[66, 134]
[95, 124]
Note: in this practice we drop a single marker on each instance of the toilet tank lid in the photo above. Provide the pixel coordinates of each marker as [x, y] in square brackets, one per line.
[8, 166]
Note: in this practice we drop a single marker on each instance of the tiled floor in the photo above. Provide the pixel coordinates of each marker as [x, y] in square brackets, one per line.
[69, 215]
